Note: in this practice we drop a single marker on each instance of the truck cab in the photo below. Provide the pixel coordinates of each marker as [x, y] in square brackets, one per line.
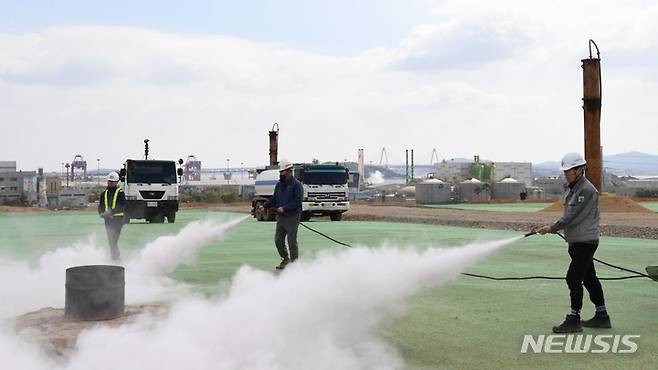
[325, 191]
[151, 189]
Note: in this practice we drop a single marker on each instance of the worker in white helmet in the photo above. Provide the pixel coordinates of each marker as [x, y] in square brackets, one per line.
[580, 222]
[287, 202]
[111, 208]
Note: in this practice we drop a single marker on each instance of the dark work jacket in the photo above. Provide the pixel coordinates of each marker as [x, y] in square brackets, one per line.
[120, 208]
[289, 195]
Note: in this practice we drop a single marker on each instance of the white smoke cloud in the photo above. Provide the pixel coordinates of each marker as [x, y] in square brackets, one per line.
[316, 314]
[30, 287]
[375, 178]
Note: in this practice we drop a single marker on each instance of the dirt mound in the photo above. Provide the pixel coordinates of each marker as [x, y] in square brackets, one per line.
[608, 205]
[49, 328]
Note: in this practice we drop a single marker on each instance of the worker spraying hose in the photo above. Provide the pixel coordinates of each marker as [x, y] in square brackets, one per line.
[287, 201]
[580, 223]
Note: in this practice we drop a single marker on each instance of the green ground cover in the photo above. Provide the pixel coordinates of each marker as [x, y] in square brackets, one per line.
[467, 324]
[506, 207]
[651, 205]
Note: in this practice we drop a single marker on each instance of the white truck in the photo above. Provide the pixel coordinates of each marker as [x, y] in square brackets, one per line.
[151, 189]
[325, 191]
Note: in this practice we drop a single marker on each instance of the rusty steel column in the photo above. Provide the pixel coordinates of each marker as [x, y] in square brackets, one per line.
[592, 115]
[274, 145]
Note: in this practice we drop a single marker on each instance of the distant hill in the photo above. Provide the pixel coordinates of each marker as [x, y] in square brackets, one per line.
[623, 164]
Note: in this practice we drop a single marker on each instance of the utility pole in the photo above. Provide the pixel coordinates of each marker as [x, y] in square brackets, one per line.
[406, 166]
[98, 171]
[592, 115]
[67, 174]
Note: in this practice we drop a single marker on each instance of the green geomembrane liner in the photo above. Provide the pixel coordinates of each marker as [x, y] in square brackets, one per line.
[437, 328]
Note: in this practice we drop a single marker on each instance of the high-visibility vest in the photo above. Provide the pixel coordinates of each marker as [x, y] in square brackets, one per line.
[114, 202]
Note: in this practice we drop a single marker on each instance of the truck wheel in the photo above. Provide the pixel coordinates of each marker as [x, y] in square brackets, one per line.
[336, 216]
[305, 216]
[171, 218]
[258, 214]
[270, 215]
[158, 219]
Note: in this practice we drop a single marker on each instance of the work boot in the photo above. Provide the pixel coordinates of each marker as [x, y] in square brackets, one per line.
[571, 324]
[600, 320]
[283, 264]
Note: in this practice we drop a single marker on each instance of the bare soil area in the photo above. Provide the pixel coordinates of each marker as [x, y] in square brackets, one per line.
[52, 331]
[640, 224]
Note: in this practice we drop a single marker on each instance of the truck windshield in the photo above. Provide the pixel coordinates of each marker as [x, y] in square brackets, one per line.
[325, 177]
[151, 172]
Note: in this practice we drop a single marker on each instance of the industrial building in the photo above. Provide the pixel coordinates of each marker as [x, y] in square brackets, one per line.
[53, 187]
[17, 187]
[553, 187]
[7, 166]
[520, 171]
[456, 171]
[452, 171]
[72, 198]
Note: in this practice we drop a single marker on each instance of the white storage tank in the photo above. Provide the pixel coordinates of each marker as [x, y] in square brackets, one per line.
[509, 189]
[535, 193]
[432, 191]
[474, 189]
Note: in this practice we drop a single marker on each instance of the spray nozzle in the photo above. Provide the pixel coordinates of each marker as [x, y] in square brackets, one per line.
[531, 233]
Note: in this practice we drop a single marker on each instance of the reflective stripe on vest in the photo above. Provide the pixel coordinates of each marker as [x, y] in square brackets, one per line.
[114, 201]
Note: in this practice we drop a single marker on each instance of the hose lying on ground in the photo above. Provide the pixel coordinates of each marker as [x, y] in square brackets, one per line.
[637, 273]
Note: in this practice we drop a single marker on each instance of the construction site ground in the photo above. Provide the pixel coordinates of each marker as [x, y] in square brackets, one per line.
[621, 217]
[468, 323]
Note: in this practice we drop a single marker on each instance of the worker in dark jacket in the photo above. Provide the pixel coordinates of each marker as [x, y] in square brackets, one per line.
[580, 223]
[287, 201]
[111, 207]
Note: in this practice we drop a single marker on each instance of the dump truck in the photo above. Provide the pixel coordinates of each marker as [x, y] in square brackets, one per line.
[151, 188]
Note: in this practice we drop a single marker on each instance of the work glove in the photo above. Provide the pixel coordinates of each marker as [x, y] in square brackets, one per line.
[107, 214]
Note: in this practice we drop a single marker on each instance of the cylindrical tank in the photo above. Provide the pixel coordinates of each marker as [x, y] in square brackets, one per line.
[510, 189]
[408, 191]
[474, 189]
[489, 173]
[477, 170]
[95, 292]
[432, 191]
[535, 193]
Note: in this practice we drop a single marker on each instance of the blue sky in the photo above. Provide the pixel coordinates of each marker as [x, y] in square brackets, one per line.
[499, 79]
[334, 27]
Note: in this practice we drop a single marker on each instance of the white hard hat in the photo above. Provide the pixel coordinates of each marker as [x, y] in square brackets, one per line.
[112, 176]
[285, 165]
[572, 160]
